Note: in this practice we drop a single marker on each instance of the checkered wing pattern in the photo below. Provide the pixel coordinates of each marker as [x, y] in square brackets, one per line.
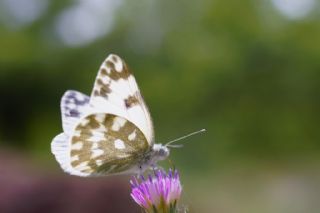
[116, 90]
[73, 105]
[108, 132]
[106, 144]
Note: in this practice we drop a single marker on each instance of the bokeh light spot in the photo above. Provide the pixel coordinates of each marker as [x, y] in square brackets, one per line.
[86, 21]
[294, 9]
[19, 13]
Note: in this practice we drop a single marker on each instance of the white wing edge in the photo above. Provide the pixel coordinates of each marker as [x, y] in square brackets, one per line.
[60, 148]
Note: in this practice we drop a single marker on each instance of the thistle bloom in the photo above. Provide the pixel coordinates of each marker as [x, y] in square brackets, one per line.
[158, 193]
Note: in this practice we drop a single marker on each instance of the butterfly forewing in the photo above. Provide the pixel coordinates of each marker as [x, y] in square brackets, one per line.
[73, 106]
[106, 143]
[116, 91]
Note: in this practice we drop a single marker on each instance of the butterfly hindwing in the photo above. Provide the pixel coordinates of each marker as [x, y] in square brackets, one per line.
[115, 91]
[60, 147]
[106, 144]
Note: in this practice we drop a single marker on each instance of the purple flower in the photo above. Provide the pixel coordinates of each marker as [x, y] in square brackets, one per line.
[158, 193]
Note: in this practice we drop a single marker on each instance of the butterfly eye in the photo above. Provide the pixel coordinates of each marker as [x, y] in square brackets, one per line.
[161, 152]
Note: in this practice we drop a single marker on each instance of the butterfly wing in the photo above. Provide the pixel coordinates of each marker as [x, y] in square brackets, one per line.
[73, 106]
[116, 91]
[60, 147]
[108, 133]
[106, 144]
[101, 144]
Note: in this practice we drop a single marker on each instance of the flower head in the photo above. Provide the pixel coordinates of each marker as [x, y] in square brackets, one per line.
[157, 193]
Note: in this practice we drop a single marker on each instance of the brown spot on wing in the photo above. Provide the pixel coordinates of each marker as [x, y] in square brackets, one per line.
[131, 101]
[114, 74]
[93, 123]
[114, 58]
[103, 89]
[103, 71]
[96, 93]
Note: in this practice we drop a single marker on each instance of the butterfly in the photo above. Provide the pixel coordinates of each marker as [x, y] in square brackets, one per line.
[110, 132]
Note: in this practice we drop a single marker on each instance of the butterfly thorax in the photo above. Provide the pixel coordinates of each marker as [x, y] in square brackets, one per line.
[157, 153]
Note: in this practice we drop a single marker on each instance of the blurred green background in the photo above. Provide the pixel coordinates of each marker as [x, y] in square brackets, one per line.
[247, 71]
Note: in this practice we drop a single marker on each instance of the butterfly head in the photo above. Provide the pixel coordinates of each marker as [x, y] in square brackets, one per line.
[160, 152]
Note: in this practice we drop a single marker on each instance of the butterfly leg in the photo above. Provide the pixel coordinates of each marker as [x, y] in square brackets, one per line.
[155, 167]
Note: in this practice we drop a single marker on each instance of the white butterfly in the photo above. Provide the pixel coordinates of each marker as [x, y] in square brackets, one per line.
[111, 131]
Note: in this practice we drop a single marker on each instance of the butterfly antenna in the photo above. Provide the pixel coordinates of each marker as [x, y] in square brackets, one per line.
[170, 143]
